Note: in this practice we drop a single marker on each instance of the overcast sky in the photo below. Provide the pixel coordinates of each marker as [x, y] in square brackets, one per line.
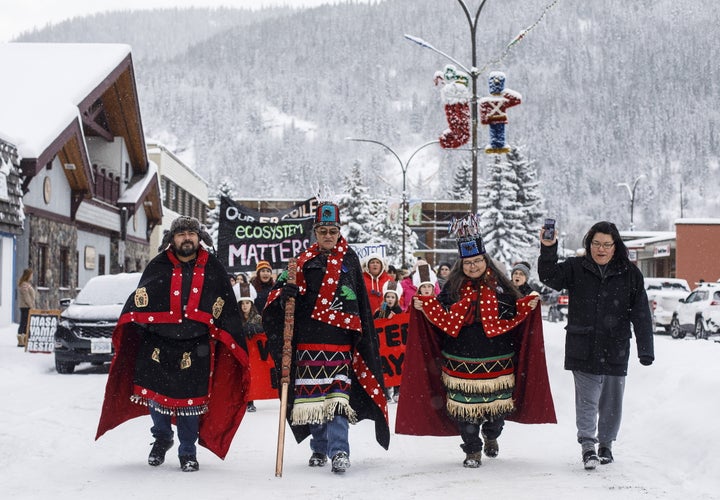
[18, 16]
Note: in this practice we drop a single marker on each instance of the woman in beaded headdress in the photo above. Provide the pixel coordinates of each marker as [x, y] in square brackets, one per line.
[467, 346]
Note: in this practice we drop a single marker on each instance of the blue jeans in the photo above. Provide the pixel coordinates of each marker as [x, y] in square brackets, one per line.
[330, 437]
[187, 429]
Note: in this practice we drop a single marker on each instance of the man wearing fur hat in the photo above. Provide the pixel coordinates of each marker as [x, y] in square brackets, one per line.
[179, 351]
[336, 373]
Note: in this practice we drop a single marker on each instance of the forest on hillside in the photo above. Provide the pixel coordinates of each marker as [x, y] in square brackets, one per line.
[612, 91]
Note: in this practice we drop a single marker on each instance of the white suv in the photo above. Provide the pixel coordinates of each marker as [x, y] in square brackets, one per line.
[699, 313]
[664, 295]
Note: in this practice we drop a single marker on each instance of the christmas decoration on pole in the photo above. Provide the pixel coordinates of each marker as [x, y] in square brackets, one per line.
[455, 96]
[492, 111]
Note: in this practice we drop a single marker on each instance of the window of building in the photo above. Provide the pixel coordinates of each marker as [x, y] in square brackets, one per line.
[64, 264]
[42, 263]
[101, 264]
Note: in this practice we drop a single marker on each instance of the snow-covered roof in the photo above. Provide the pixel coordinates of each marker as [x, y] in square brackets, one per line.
[43, 85]
[706, 220]
[133, 193]
[639, 240]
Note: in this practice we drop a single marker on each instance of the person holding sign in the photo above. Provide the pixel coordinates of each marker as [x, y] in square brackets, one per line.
[26, 301]
[477, 346]
[336, 372]
[179, 351]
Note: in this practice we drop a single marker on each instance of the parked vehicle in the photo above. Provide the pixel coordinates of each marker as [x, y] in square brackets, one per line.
[699, 313]
[557, 305]
[85, 328]
[664, 295]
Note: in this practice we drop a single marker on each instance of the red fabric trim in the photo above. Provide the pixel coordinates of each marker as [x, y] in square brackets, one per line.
[166, 401]
[325, 347]
[326, 309]
[370, 384]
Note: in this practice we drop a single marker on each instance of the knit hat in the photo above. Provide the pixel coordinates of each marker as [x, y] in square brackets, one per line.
[263, 264]
[467, 232]
[392, 286]
[423, 275]
[327, 214]
[244, 291]
[522, 267]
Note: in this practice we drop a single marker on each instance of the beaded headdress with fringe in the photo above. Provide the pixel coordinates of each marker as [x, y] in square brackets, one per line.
[467, 232]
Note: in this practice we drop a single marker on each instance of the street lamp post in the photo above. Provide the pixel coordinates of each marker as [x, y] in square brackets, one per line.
[403, 167]
[474, 73]
[631, 192]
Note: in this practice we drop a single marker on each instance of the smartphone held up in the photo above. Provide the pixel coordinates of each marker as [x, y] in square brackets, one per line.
[548, 233]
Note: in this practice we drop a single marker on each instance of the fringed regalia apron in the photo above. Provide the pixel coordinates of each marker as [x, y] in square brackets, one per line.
[478, 352]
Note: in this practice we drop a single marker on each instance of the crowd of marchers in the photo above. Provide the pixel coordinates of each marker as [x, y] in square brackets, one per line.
[475, 343]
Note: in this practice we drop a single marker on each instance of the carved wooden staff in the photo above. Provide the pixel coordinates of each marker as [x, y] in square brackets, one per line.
[285, 368]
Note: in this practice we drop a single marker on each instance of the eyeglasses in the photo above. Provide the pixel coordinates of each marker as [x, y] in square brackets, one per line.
[607, 246]
[325, 232]
[473, 263]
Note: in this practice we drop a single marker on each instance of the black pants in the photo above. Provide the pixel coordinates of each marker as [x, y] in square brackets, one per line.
[22, 327]
[470, 433]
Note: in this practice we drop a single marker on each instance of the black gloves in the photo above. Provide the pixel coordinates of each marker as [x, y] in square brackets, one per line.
[288, 291]
[646, 360]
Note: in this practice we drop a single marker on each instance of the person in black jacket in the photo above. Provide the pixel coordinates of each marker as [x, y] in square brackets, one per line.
[607, 296]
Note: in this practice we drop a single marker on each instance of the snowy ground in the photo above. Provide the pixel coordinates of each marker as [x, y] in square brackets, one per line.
[668, 447]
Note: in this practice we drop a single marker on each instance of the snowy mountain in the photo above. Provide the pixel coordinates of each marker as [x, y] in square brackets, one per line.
[611, 90]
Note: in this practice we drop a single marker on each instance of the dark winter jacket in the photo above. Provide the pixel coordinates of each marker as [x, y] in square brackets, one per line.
[601, 310]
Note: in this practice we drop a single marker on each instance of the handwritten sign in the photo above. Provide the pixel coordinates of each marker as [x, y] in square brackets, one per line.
[41, 330]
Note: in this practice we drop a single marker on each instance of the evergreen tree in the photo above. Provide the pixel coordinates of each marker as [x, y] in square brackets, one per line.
[462, 181]
[501, 213]
[227, 189]
[389, 230]
[528, 196]
[358, 210]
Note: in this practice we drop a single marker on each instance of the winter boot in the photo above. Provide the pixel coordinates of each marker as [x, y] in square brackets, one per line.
[472, 460]
[491, 447]
[317, 459]
[340, 462]
[189, 463]
[157, 454]
[605, 455]
[590, 459]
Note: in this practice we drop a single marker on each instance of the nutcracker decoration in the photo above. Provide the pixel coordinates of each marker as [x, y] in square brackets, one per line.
[492, 111]
[455, 96]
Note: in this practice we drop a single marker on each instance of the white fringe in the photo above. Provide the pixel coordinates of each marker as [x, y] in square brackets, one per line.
[189, 411]
[482, 386]
[319, 412]
[479, 412]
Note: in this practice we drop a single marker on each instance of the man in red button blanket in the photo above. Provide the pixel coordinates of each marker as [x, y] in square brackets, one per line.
[179, 351]
[474, 355]
[336, 372]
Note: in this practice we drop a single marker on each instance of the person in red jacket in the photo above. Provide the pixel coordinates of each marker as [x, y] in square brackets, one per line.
[375, 274]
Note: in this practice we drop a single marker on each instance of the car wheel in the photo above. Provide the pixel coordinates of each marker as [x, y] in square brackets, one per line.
[700, 332]
[64, 367]
[675, 331]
